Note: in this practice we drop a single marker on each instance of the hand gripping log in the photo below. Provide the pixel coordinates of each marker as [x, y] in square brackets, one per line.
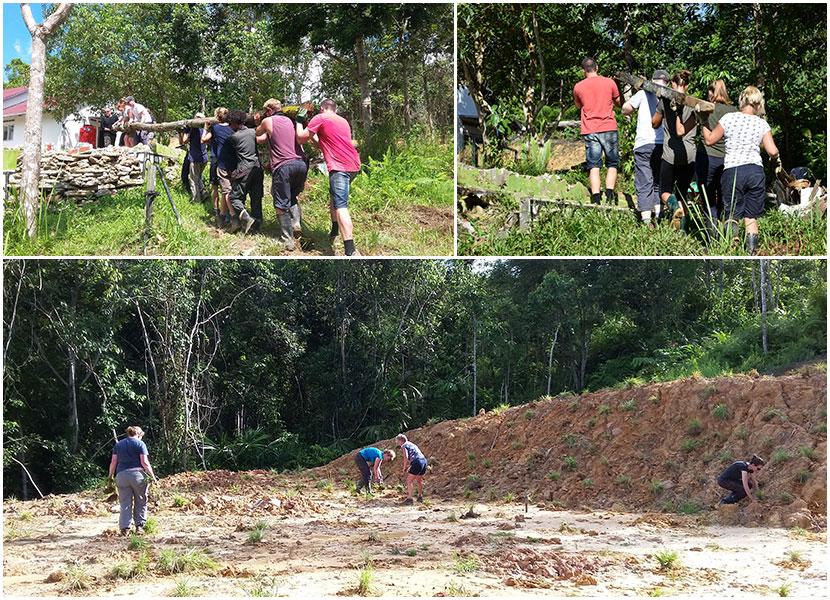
[661, 91]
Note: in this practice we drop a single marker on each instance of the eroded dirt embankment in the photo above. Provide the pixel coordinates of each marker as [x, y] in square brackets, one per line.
[654, 447]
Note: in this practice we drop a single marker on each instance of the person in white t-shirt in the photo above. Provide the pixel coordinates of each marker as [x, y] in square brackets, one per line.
[138, 113]
[743, 184]
[648, 149]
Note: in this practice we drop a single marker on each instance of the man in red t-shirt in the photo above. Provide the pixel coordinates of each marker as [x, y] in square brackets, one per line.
[334, 136]
[596, 96]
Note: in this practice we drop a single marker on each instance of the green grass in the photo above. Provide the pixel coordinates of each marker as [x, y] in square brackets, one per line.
[629, 405]
[657, 487]
[185, 588]
[781, 455]
[783, 590]
[365, 581]
[411, 552]
[77, 579]
[554, 475]
[172, 561]
[807, 452]
[624, 480]
[454, 589]
[569, 463]
[151, 526]
[720, 412]
[500, 409]
[574, 232]
[180, 501]
[129, 570]
[465, 564]
[587, 482]
[137, 543]
[604, 409]
[668, 560]
[400, 205]
[690, 445]
[695, 427]
[264, 587]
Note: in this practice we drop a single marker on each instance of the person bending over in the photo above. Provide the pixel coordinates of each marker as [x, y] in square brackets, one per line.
[740, 479]
[368, 462]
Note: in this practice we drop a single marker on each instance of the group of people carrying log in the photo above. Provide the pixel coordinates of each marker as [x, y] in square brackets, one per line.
[725, 168]
[236, 173]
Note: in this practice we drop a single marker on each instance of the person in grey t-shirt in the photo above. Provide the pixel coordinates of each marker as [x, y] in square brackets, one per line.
[679, 129]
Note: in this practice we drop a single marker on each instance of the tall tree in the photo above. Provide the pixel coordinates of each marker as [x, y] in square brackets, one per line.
[30, 175]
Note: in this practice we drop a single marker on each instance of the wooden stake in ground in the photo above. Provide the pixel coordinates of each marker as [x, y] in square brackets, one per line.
[661, 91]
[30, 165]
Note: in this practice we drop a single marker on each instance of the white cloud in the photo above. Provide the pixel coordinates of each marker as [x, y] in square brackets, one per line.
[18, 47]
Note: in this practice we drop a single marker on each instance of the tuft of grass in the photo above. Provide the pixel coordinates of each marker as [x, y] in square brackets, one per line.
[486, 463]
[454, 590]
[452, 517]
[657, 487]
[325, 485]
[471, 457]
[365, 581]
[569, 463]
[781, 455]
[695, 427]
[374, 537]
[571, 440]
[592, 422]
[411, 552]
[180, 501]
[604, 409]
[185, 588]
[465, 564]
[517, 445]
[742, 433]
[128, 570]
[500, 409]
[624, 480]
[26, 516]
[629, 405]
[509, 497]
[795, 557]
[803, 476]
[171, 561]
[668, 560]
[473, 482]
[151, 527]
[529, 414]
[656, 592]
[137, 543]
[77, 578]
[783, 590]
[587, 482]
[807, 452]
[690, 445]
[554, 475]
[264, 587]
[720, 412]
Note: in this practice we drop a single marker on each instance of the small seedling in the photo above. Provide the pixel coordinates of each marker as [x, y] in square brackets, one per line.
[465, 564]
[171, 561]
[604, 409]
[365, 581]
[587, 482]
[184, 589]
[517, 445]
[508, 497]
[180, 501]
[456, 590]
[570, 440]
[657, 487]
[411, 552]
[569, 462]
[77, 579]
[137, 543]
[264, 587]
[783, 590]
[471, 457]
[794, 556]
[151, 526]
[668, 560]
[500, 409]
[325, 485]
[798, 532]
[656, 592]
[592, 422]
[742, 433]
[486, 463]
[25, 516]
[629, 405]
[689, 445]
[695, 427]
[803, 476]
[624, 480]
[473, 482]
[529, 414]
[720, 412]
[554, 475]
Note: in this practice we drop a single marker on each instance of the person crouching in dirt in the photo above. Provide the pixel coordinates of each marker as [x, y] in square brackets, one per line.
[368, 461]
[414, 466]
[740, 479]
[743, 183]
[130, 467]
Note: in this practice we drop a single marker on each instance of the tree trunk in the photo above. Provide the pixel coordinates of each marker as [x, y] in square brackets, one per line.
[637, 83]
[403, 45]
[755, 301]
[73, 401]
[627, 35]
[475, 366]
[758, 46]
[550, 358]
[764, 341]
[363, 81]
[30, 162]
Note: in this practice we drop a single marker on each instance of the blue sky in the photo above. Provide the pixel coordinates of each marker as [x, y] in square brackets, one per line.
[17, 43]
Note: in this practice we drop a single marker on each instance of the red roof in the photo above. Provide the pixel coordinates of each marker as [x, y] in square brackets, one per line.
[15, 109]
[11, 92]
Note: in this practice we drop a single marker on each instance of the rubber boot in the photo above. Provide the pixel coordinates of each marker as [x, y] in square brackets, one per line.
[752, 244]
[235, 225]
[296, 219]
[684, 224]
[246, 221]
[217, 216]
[286, 236]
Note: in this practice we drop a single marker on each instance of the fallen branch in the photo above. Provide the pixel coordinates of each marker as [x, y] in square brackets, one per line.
[637, 83]
[29, 474]
[171, 126]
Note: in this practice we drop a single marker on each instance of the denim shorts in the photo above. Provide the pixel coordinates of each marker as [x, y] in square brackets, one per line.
[418, 467]
[339, 183]
[598, 143]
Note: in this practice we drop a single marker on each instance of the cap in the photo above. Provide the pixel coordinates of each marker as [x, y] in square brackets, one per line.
[660, 74]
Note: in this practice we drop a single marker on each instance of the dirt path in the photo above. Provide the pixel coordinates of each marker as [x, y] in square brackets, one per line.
[321, 544]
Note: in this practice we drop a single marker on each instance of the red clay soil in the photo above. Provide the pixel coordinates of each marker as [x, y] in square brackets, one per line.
[655, 447]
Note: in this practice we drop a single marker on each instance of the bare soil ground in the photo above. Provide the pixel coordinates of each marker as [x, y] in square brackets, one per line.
[318, 540]
[610, 493]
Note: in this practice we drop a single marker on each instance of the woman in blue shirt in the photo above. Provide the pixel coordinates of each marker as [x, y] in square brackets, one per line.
[130, 466]
[368, 461]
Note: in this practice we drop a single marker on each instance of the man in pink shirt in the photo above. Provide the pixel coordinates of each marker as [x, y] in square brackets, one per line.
[595, 97]
[334, 136]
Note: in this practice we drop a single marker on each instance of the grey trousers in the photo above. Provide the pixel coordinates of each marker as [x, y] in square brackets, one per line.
[132, 495]
[647, 175]
[197, 184]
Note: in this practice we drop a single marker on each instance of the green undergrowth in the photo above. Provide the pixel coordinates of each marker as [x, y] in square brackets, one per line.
[401, 205]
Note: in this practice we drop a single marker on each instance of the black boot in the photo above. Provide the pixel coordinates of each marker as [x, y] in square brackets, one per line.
[752, 244]
[596, 198]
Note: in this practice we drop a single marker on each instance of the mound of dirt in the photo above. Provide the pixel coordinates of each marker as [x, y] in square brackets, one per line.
[658, 447]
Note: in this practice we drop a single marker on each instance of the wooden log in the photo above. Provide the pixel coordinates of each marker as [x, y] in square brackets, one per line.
[637, 83]
[171, 126]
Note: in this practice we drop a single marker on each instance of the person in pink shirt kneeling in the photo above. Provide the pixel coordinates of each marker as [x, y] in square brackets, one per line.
[334, 136]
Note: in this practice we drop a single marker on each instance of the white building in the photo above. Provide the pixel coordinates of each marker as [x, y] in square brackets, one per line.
[55, 134]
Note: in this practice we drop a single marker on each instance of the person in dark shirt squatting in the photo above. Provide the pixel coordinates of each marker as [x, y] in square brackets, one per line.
[740, 479]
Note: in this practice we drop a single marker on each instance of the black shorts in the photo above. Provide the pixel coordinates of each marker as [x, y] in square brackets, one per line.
[418, 467]
[214, 176]
[743, 191]
[679, 175]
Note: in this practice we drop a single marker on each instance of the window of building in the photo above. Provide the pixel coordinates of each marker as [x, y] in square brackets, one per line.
[8, 132]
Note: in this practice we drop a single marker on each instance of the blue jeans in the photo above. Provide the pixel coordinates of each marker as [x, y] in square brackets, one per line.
[744, 191]
[598, 143]
[339, 184]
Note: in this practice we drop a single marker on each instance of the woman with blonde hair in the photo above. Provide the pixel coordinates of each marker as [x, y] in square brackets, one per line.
[130, 467]
[743, 183]
[709, 164]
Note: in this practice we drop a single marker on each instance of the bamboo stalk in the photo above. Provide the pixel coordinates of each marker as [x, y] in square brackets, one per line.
[661, 91]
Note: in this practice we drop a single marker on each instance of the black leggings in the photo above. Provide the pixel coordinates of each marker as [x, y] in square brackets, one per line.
[736, 487]
[365, 473]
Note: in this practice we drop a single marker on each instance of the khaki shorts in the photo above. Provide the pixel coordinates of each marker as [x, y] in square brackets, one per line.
[224, 181]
